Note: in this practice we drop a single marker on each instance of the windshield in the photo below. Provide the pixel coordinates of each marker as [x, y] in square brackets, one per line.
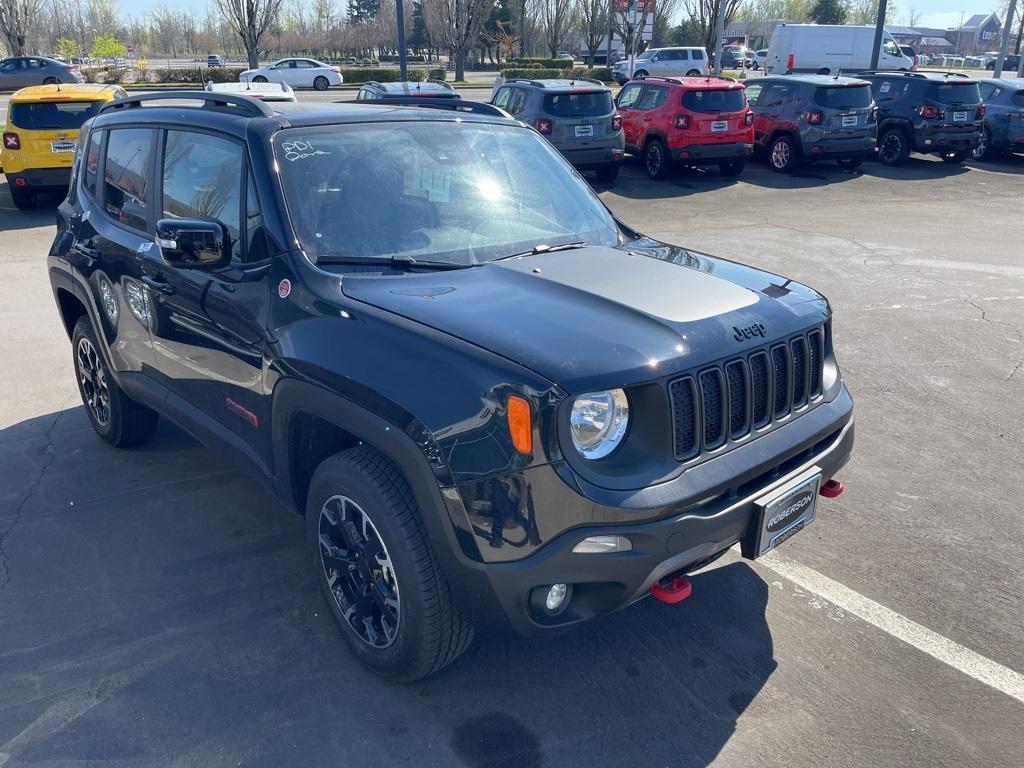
[460, 193]
[578, 104]
[954, 93]
[724, 100]
[843, 97]
[53, 116]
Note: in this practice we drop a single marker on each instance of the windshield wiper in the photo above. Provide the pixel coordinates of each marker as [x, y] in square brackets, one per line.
[394, 260]
[544, 248]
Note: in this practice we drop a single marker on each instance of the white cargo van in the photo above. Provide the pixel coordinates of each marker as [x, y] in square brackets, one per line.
[827, 49]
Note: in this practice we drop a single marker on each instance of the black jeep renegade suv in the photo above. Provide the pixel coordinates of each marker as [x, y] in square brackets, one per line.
[419, 327]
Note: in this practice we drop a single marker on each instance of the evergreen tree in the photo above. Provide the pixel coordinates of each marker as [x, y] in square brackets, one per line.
[828, 12]
[362, 10]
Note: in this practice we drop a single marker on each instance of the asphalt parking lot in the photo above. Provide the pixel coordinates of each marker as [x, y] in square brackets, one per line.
[157, 608]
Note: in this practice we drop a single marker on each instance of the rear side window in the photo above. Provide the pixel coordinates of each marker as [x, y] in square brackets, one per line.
[954, 93]
[843, 97]
[587, 104]
[125, 175]
[1018, 98]
[53, 116]
[723, 100]
[697, 55]
[651, 97]
[92, 161]
[202, 178]
[628, 96]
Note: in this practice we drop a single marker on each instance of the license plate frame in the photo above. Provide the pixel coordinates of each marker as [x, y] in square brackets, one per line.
[849, 121]
[719, 126]
[959, 117]
[777, 522]
[62, 145]
[584, 131]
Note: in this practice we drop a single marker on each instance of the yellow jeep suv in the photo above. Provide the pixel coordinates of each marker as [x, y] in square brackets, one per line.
[41, 133]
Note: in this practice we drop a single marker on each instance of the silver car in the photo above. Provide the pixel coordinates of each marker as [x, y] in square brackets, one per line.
[22, 71]
[663, 62]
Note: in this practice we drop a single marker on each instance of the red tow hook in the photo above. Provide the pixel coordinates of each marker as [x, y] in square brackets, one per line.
[831, 489]
[676, 592]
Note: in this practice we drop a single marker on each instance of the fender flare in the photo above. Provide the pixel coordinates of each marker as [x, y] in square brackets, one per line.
[897, 122]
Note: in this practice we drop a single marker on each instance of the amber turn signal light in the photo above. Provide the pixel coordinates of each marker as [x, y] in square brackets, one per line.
[517, 411]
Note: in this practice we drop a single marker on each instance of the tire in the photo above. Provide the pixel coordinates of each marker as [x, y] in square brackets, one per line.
[117, 418]
[850, 163]
[50, 81]
[24, 200]
[782, 155]
[657, 161]
[984, 150]
[608, 173]
[321, 83]
[955, 156]
[693, 73]
[893, 148]
[640, 73]
[259, 79]
[732, 168]
[415, 627]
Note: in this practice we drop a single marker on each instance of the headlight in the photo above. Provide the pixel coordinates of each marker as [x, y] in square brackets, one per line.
[598, 422]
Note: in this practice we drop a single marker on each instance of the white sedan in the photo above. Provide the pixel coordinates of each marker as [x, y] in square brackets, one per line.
[298, 73]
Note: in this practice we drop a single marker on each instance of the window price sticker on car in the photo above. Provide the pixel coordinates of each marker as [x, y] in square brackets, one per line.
[719, 126]
[959, 117]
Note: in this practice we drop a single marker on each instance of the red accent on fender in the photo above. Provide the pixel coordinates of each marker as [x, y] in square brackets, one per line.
[241, 410]
[831, 489]
[676, 592]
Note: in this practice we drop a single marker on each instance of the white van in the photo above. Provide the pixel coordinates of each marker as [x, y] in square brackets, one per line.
[826, 49]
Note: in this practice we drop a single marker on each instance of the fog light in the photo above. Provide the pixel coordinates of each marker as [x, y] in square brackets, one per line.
[550, 601]
[593, 545]
[555, 598]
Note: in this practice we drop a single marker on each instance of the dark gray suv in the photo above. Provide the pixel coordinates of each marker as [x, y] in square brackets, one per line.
[578, 116]
[812, 117]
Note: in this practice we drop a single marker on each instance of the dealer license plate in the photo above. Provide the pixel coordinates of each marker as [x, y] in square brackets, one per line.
[719, 126]
[62, 146]
[787, 511]
[959, 117]
[584, 131]
[849, 121]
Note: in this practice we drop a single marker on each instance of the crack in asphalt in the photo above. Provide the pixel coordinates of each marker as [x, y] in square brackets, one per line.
[5, 571]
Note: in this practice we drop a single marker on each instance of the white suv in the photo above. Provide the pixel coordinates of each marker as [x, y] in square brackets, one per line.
[664, 62]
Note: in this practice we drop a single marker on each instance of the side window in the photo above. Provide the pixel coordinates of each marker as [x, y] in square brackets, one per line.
[125, 174]
[777, 94]
[753, 91]
[629, 95]
[987, 89]
[883, 90]
[92, 162]
[890, 47]
[202, 178]
[697, 55]
[683, 55]
[651, 98]
[501, 100]
[256, 249]
[517, 102]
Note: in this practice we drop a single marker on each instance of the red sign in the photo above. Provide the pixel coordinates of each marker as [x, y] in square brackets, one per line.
[129, 48]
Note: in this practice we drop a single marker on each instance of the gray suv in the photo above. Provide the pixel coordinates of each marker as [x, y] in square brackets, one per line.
[812, 117]
[577, 116]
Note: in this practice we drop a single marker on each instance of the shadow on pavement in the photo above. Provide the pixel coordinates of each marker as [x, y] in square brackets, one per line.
[171, 616]
[40, 216]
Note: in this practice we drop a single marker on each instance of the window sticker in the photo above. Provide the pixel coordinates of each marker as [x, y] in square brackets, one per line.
[428, 181]
[886, 87]
[300, 150]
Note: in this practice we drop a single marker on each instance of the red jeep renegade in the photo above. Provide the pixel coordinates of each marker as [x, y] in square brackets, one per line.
[687, 120]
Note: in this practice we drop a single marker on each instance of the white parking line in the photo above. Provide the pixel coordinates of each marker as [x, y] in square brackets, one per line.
[935, 645]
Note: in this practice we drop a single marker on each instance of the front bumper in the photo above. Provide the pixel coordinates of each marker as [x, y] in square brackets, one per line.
[593, 157]
[40, 178]
[698, 154]
[711, 519]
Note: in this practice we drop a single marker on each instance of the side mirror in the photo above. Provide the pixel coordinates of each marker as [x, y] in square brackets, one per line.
[194, 243]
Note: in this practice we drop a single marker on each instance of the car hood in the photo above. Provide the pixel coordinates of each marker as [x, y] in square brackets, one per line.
[600, 317]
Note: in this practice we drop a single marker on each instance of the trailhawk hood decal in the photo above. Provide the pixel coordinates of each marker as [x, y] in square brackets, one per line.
[601, 317]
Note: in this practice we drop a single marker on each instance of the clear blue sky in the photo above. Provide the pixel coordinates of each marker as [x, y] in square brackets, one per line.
[934, 13]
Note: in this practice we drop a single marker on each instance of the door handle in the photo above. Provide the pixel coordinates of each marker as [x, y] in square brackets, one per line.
[158, 285]
[84, 250]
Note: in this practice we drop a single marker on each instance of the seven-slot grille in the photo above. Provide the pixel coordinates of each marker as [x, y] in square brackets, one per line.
[725, 402]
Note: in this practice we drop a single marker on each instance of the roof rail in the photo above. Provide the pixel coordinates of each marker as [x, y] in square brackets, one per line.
[902, 72]
[526, 80]
[252, 107]
[371, 82]
[443, 102]
[663, 79]
[445, 83]
[591, 80]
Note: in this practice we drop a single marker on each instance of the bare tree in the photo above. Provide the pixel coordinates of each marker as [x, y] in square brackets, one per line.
[456, 25]
[913, 17]
[558, 19]
[705, 14]
[592, 21]
[17, 20]
[250, 20]
[631, 33]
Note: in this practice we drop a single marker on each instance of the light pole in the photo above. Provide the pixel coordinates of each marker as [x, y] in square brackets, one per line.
[879, 28]
[1005, 43]
[400, 16]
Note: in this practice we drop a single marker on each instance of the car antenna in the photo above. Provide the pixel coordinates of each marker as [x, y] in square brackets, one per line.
[839, 71]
